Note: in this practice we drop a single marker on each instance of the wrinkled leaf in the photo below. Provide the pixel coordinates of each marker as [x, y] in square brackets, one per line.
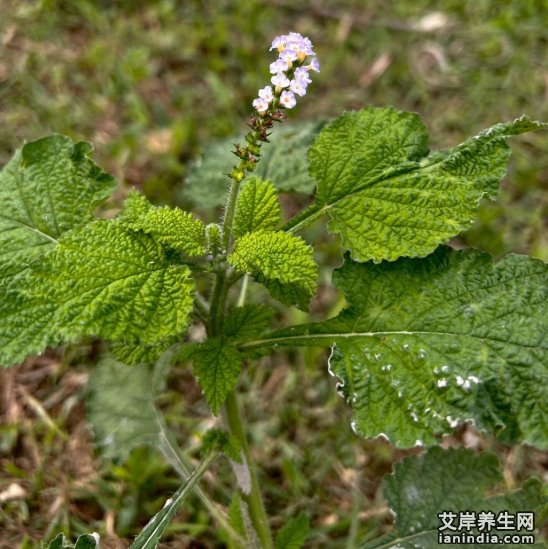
[114, 283]
[387, 197]
[454, 480]
[216, 367]
[171, 226]
[257, 207]
[426, 344]
[282, 262]
[49, 187]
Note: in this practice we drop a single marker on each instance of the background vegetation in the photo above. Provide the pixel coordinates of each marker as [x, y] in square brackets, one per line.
[150, 83]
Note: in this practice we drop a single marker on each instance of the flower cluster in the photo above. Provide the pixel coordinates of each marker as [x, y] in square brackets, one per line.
[290, 72]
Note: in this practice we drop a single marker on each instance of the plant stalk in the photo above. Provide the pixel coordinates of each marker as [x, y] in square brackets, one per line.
[253, 499]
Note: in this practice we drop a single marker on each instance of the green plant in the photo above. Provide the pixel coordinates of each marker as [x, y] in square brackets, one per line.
[430, 337]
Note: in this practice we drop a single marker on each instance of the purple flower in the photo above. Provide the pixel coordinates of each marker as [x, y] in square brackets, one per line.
[266, 94]
[315, 65]
[278, 66]
[260, 104]
[288, 56]
[278, 42]
[280, 80]
[298, 86]
[287, 99]
[301, 73]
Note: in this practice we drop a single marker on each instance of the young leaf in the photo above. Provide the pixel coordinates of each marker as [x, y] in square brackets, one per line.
[293, 534]
[153, 531]
[283, 161]
[49, 187]
[170, 226]
[247, 322]
[217, 440]
[454, 480]
[121, 409]
[216, 368]
[257, 207]
[425, 344]
[86, 541]
[386, 197]
[282, 262]
[108, 281]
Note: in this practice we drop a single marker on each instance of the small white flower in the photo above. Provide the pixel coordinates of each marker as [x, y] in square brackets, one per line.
[298, 86]
[266, 94]
[279, 42]
[301, 73]
[314, 65]
[288, 56]
[280, 79]
[260, 104]
[278, 66]
[287, 99]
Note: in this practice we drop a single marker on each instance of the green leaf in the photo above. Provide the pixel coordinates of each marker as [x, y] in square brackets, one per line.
[121, 409]
[386, 197]
[257, 207]
[153, 531]
[247, 322]
[293, 535]
[86, 541]
[111, 282]
[283, 161]
[134, 353]
[170, 226]
[216, 368]
[426, 344]
[49, 187]
[217, 440]
[282, 262]
[454, 480]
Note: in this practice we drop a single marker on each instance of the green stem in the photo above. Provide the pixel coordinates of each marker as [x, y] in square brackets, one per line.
[216, 311]
[253, 498]
[303, 219]
[229, 212]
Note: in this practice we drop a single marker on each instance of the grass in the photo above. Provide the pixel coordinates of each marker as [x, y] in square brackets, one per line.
[150, 84]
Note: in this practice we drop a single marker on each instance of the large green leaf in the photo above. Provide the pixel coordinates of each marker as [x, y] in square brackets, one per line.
[425, 344]
[121, 408]
[216, 367]
[49, 187]
[108, 281]
[257, 207]
[452, 481]
[282, 262]
[386, 197]
[283, 161]
[171, 226]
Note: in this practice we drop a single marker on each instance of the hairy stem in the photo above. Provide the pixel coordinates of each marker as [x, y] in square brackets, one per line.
[229, 212]
[253, 498]
[303, 219]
